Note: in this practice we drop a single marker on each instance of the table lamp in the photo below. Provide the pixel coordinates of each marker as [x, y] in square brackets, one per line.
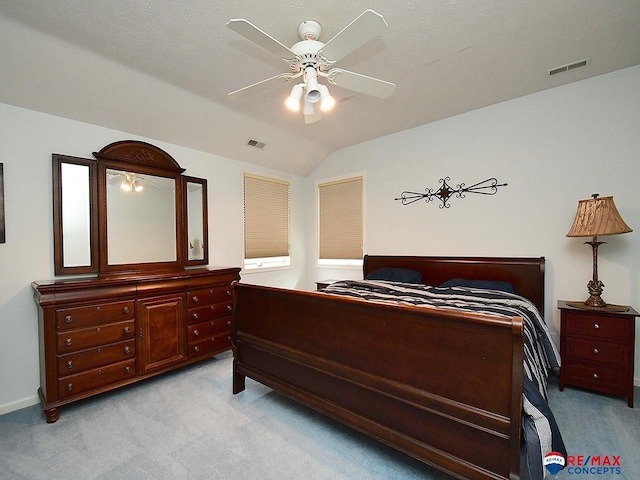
[595, 217]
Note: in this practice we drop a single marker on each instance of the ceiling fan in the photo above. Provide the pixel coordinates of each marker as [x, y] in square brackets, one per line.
[311, 60]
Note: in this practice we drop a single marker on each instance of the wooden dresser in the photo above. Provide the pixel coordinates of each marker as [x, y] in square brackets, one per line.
[100, 333]
[597, 350]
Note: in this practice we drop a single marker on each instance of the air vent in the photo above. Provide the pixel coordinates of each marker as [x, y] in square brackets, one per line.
[568, 67]
[255, 143]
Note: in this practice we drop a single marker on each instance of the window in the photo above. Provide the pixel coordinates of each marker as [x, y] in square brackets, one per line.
[340, 222]
[266, 223]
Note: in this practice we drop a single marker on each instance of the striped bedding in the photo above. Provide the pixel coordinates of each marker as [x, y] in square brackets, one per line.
[540, 431]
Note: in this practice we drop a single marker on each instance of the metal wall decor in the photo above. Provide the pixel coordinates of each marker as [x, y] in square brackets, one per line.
[446, 191]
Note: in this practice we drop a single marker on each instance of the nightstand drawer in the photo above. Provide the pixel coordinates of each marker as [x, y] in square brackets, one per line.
[598, 351]
[597, 326]
[595, 376]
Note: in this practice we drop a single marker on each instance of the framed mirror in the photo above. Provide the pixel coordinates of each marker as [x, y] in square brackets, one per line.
[75, 215]
[140, 208]
[196, 221]
[131, 211]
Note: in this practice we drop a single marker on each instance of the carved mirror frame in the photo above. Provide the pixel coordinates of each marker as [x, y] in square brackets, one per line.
[145, 161]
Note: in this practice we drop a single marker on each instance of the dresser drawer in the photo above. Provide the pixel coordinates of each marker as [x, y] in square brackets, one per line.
[210, 312]
[84, 338]
[597, 351]
[595, 376]
[81, 317]
[95, 357]
[96, 378]
[203, 330]
[206, 296]
[210, 345]
[597, 326]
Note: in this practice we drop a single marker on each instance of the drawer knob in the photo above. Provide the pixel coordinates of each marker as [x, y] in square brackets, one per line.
[195, 316]
[69, 386]
[127, 349]
[195, 299]
[596, 326]
[595, 350]
[595, 376]
[125, 310]
[69, 364]
[126, 330]
[229, 293]
[229, 322]
[196, 349]
[127, 369]
[196, 333]
[68, 319]
[68, 342]
[229, 308]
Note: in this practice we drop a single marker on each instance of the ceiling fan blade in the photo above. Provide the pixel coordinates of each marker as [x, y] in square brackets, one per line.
[361, 83]
[364, 28]
[257, 36]
[260, 86]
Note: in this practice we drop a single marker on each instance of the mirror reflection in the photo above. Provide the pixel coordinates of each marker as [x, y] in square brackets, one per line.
[195, 193]
[76, 215]
[141, 218]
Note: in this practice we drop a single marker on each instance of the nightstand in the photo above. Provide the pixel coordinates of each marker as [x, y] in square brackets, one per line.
[597, 350]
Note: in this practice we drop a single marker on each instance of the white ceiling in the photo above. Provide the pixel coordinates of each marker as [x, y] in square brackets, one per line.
[177, 61]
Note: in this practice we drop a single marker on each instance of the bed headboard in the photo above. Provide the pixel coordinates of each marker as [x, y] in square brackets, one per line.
[526, 275]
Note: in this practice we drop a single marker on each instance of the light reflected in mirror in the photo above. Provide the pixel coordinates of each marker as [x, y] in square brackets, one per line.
[76, 215]
[195, 226]
[141, 218]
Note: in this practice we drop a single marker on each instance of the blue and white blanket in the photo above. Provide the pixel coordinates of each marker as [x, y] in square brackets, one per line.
[540, 431]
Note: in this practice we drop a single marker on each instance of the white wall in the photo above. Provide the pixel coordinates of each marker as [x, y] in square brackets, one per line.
[28, 140]
[552, 148]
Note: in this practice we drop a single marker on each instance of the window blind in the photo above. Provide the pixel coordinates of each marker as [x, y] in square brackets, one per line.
[340, 219]
[266, 217]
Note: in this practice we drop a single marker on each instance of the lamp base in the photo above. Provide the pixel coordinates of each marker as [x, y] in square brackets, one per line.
[606, 308]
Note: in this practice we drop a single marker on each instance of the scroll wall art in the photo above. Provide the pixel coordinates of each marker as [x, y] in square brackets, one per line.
[446, 191]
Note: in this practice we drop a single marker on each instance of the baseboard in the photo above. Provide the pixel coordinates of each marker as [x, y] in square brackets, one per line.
[24, 403]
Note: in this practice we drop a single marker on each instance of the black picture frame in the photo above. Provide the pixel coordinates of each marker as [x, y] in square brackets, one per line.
[2, 231]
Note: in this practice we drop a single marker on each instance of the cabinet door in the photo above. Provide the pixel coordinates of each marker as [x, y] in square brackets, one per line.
[161, 330]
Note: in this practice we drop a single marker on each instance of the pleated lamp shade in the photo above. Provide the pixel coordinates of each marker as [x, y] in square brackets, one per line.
[597, 216]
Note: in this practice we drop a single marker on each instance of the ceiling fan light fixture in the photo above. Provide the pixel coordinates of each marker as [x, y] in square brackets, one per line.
[327, 102]
[293, 100]
[309, 108]
[311, 81]
[310, 58]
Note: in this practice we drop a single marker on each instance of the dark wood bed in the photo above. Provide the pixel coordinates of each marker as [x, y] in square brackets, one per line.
[444, 387]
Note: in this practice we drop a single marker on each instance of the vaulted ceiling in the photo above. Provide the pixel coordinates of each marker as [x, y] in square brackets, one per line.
[163, 69]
